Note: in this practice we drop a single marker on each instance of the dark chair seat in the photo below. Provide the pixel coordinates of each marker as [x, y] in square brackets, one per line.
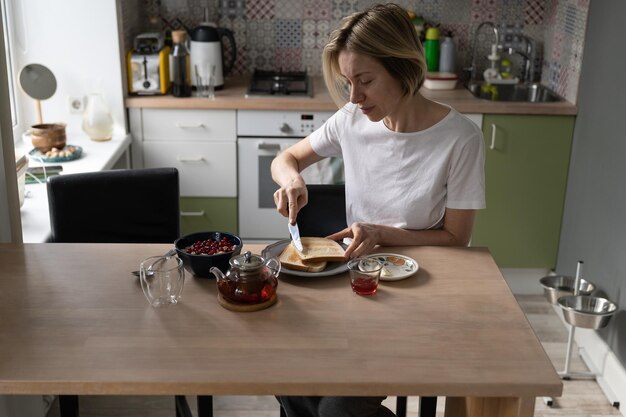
[325, 212]
[118, 206]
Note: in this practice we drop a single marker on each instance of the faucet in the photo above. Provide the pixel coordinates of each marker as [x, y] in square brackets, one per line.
[527, 55]
[472, 69]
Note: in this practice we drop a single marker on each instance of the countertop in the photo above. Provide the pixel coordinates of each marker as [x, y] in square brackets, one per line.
[233, 97]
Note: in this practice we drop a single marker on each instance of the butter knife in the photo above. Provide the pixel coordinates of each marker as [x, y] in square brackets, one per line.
[295, 236]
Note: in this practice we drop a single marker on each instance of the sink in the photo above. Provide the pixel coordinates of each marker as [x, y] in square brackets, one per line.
[529, 93]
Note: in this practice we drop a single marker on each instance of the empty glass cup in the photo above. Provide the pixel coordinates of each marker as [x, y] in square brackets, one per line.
[205, 78]
[162, 279]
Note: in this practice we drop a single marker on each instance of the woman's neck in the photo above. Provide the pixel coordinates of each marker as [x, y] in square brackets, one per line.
[414, 114]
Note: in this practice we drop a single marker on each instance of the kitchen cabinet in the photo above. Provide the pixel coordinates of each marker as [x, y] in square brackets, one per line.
[202, 145]
[526, 165]
[208, 213]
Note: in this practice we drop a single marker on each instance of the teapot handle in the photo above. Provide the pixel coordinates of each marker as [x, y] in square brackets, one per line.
[223, 32]
[276, 266]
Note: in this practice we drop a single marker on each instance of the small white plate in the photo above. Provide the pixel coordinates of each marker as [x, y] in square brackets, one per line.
[395, 266]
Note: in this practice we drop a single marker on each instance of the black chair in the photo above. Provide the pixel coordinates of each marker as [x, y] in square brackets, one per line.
[325, 212]
[118, 206]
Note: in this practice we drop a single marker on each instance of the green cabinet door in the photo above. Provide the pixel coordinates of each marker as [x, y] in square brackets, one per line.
[526, 164]
[200, 214]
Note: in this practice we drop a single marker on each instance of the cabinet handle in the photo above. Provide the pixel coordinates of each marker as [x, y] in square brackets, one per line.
[192, 213]
[493, 137]
[190, 158]
[269, 146]
[184, 126]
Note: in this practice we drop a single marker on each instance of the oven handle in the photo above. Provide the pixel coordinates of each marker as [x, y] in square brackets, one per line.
[269, 146]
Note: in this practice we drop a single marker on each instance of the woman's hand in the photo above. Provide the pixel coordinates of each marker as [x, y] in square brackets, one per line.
[365, 236]
[290, 198]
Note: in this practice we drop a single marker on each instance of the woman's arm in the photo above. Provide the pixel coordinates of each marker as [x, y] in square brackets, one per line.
[456, 231]
[286, 167]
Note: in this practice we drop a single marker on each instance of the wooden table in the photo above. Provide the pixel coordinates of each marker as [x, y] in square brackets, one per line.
[74, 321]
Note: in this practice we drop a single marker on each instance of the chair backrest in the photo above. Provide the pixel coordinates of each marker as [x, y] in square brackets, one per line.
[118, 206]
[325, 212]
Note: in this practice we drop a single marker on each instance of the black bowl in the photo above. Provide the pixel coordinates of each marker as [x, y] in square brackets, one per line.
[200, 265]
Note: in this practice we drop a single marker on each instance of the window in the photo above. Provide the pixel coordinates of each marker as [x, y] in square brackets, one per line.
[6, 25]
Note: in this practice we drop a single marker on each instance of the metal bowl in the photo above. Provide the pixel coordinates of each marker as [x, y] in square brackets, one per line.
[556, 286]
[587, 311]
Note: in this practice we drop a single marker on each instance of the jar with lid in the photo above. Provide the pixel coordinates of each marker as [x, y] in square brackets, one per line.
[181, 65]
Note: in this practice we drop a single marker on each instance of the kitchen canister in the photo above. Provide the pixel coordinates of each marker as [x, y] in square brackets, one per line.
[97, 120]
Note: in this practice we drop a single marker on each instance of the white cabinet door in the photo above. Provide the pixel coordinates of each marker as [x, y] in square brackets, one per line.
[189, 124]
[205, 169]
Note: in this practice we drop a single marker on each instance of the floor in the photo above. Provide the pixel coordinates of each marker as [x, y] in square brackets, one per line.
[580, 398]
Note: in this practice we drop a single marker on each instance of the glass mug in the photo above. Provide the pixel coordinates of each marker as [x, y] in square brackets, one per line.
[364, 275]
[162, 280]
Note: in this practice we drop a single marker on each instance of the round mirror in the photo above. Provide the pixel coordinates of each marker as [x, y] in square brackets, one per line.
[39, 83]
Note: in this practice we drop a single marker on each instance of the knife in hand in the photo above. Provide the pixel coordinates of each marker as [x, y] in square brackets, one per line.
[295, 236]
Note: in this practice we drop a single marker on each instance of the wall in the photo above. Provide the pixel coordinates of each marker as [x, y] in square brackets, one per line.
[79, 42]
[594, 226]
[290, 34]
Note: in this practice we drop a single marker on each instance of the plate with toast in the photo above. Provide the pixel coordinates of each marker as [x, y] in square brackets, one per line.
[320, 257]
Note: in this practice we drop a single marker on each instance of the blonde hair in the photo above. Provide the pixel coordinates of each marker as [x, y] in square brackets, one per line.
[383, 32]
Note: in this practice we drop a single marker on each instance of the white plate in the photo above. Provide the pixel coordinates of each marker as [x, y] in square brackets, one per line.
[332, 268]
[395, 266]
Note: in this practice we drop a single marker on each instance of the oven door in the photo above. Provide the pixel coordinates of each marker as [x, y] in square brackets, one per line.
[258, 218]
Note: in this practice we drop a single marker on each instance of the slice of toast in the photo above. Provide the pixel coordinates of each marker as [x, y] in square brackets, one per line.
[290, 259]
[321, 249]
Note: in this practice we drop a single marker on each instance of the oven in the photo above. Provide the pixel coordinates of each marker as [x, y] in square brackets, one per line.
[261, 135]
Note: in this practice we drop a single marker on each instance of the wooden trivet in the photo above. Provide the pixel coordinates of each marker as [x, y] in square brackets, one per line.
[245, 307]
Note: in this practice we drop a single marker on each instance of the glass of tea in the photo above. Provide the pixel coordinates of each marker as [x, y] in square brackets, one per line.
[364, 275]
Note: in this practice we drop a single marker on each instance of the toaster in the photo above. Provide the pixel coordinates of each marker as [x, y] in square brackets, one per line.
[148, 65]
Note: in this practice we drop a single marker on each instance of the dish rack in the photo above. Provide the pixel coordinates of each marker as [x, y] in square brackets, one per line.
[580, 309]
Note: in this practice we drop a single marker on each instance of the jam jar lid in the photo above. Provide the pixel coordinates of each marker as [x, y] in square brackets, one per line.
[248, 261]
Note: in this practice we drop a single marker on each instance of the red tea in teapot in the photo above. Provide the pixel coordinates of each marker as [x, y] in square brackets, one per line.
[254, 291]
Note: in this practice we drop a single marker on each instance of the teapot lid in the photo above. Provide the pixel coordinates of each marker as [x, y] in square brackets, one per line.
[248, 261]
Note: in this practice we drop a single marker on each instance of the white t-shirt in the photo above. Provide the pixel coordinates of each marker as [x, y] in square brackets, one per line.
[405, 180]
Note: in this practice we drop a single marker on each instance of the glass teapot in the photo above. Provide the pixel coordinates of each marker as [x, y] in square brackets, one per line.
[251, 279]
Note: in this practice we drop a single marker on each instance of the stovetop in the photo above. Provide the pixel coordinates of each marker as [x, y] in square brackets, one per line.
[280, 83]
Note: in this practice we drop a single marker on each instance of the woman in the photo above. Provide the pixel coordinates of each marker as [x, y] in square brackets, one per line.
[414, 168]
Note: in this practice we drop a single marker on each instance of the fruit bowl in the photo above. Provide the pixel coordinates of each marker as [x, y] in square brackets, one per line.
[203, 250]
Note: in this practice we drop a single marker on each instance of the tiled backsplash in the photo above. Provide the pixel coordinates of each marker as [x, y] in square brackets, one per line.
[290, 34]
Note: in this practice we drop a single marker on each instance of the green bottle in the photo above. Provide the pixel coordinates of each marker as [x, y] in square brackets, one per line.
[431, 49]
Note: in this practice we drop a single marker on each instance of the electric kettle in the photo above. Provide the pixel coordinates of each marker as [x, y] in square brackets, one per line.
[207, 52]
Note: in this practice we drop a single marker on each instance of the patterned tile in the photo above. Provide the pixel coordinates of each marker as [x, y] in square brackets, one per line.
[288, 9]
[342, 8]
[260, 9]
[232, 8]
[288, 33]
[534, 12]
[260, 34]
[289, 59]
[455, 13]
[317, 9]
[482, 10]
